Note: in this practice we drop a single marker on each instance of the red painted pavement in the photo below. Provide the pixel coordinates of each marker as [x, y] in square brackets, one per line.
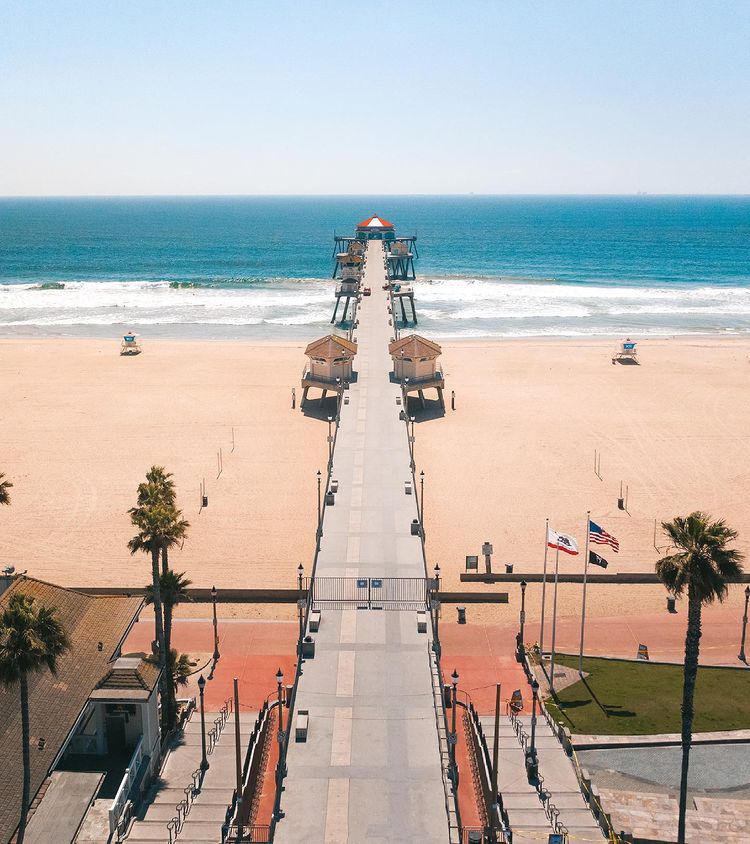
[252, 651]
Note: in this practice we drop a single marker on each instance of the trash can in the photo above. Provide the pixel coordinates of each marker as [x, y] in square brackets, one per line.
[415, 527]
[461, 615]
[475, 837]
[205, 501]
[509, 568]
[671, 605]
[308, 648]
[447, 695]
[330, 499]
[620, 503]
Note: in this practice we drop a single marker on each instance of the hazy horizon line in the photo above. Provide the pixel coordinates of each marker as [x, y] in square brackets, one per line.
[635, 194]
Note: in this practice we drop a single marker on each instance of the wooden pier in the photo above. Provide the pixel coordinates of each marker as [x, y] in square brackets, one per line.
[399, 293]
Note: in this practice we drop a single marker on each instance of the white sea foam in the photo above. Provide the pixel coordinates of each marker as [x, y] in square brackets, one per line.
[446, 306]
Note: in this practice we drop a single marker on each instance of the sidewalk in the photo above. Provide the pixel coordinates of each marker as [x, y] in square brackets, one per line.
[209, 807]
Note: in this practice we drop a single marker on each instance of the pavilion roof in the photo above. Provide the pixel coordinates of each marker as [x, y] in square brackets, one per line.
[330, 346]
[375, 222]
[414, 346]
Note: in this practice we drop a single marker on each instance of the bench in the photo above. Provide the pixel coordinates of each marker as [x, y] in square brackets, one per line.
[421, 621]
[314, 621]
[300, 725]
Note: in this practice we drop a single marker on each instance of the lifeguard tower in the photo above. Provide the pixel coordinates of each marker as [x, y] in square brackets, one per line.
[416, 367]
[329, 367]
[625, 352]
[130, 344]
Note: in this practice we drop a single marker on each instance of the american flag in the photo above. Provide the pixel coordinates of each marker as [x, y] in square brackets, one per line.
[601, 537]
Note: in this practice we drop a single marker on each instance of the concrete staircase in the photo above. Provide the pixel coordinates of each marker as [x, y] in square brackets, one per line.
[207, 812]
[526, 812]
[649, 818]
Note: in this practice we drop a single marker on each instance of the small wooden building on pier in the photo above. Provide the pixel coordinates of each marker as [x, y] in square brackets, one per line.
[401, 259]
[330, 366]
[416, 367]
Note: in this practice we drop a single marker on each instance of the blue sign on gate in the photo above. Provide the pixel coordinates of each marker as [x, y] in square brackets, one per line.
[376, 584]
[361, 583]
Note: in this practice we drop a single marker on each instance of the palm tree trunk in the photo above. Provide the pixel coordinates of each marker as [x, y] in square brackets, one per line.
[171, 694]
[164, 560]
[155, 574]
[25, 797]
[692, 649]
[167, 628]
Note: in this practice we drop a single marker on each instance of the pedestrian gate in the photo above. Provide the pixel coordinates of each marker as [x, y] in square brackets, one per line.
[369, 593]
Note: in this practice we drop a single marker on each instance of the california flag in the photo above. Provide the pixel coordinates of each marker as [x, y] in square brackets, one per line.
[562, 541]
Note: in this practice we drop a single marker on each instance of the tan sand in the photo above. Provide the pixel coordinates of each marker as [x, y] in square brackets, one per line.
[81, 426]
[520, 448]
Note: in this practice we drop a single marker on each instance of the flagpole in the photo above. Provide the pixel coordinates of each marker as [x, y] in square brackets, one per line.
[554, 620]
[583, 603]
[544, 590]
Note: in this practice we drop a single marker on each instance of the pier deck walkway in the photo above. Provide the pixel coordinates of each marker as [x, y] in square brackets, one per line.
[370, 770]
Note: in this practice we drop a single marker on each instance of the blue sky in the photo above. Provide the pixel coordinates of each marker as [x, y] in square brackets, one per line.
[389, 97]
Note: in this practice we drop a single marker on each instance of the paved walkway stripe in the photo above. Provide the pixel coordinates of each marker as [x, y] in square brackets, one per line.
[345, 676]
[341, 742]
[348, 635]
[337, 812]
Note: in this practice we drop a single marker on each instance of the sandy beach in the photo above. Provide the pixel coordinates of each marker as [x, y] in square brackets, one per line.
[520, 448]
[81, 426]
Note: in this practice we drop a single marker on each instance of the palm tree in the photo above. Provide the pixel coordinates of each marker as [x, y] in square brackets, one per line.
[159, 488]
[701, 566]
[31, 639]
[173, 587]
[179, 668]
[153, 525]
[4, 487]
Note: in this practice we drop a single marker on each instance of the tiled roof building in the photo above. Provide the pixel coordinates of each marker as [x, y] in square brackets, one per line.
[97, 627]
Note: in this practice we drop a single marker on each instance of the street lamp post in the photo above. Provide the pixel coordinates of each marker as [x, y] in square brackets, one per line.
[301, 607]
[744, 625]
[534, 693]
[523, 615]
[204, 760]
[280, 770]
[330, 443]
[216, 625]
[421, 501]
[412, 419]
[436, 606]
[454, 736]
[532, 763]
[280, 735]
[320, 514]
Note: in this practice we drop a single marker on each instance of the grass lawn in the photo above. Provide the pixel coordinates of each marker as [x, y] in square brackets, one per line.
[640, 698]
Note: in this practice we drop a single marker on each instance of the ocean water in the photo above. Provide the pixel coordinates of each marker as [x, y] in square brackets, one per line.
[488, 266]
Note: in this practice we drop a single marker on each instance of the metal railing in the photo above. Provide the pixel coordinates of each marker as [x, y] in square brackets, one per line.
[550, 810]
[231, 829]
[123, 792]
[529, 655]
[191, 791]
